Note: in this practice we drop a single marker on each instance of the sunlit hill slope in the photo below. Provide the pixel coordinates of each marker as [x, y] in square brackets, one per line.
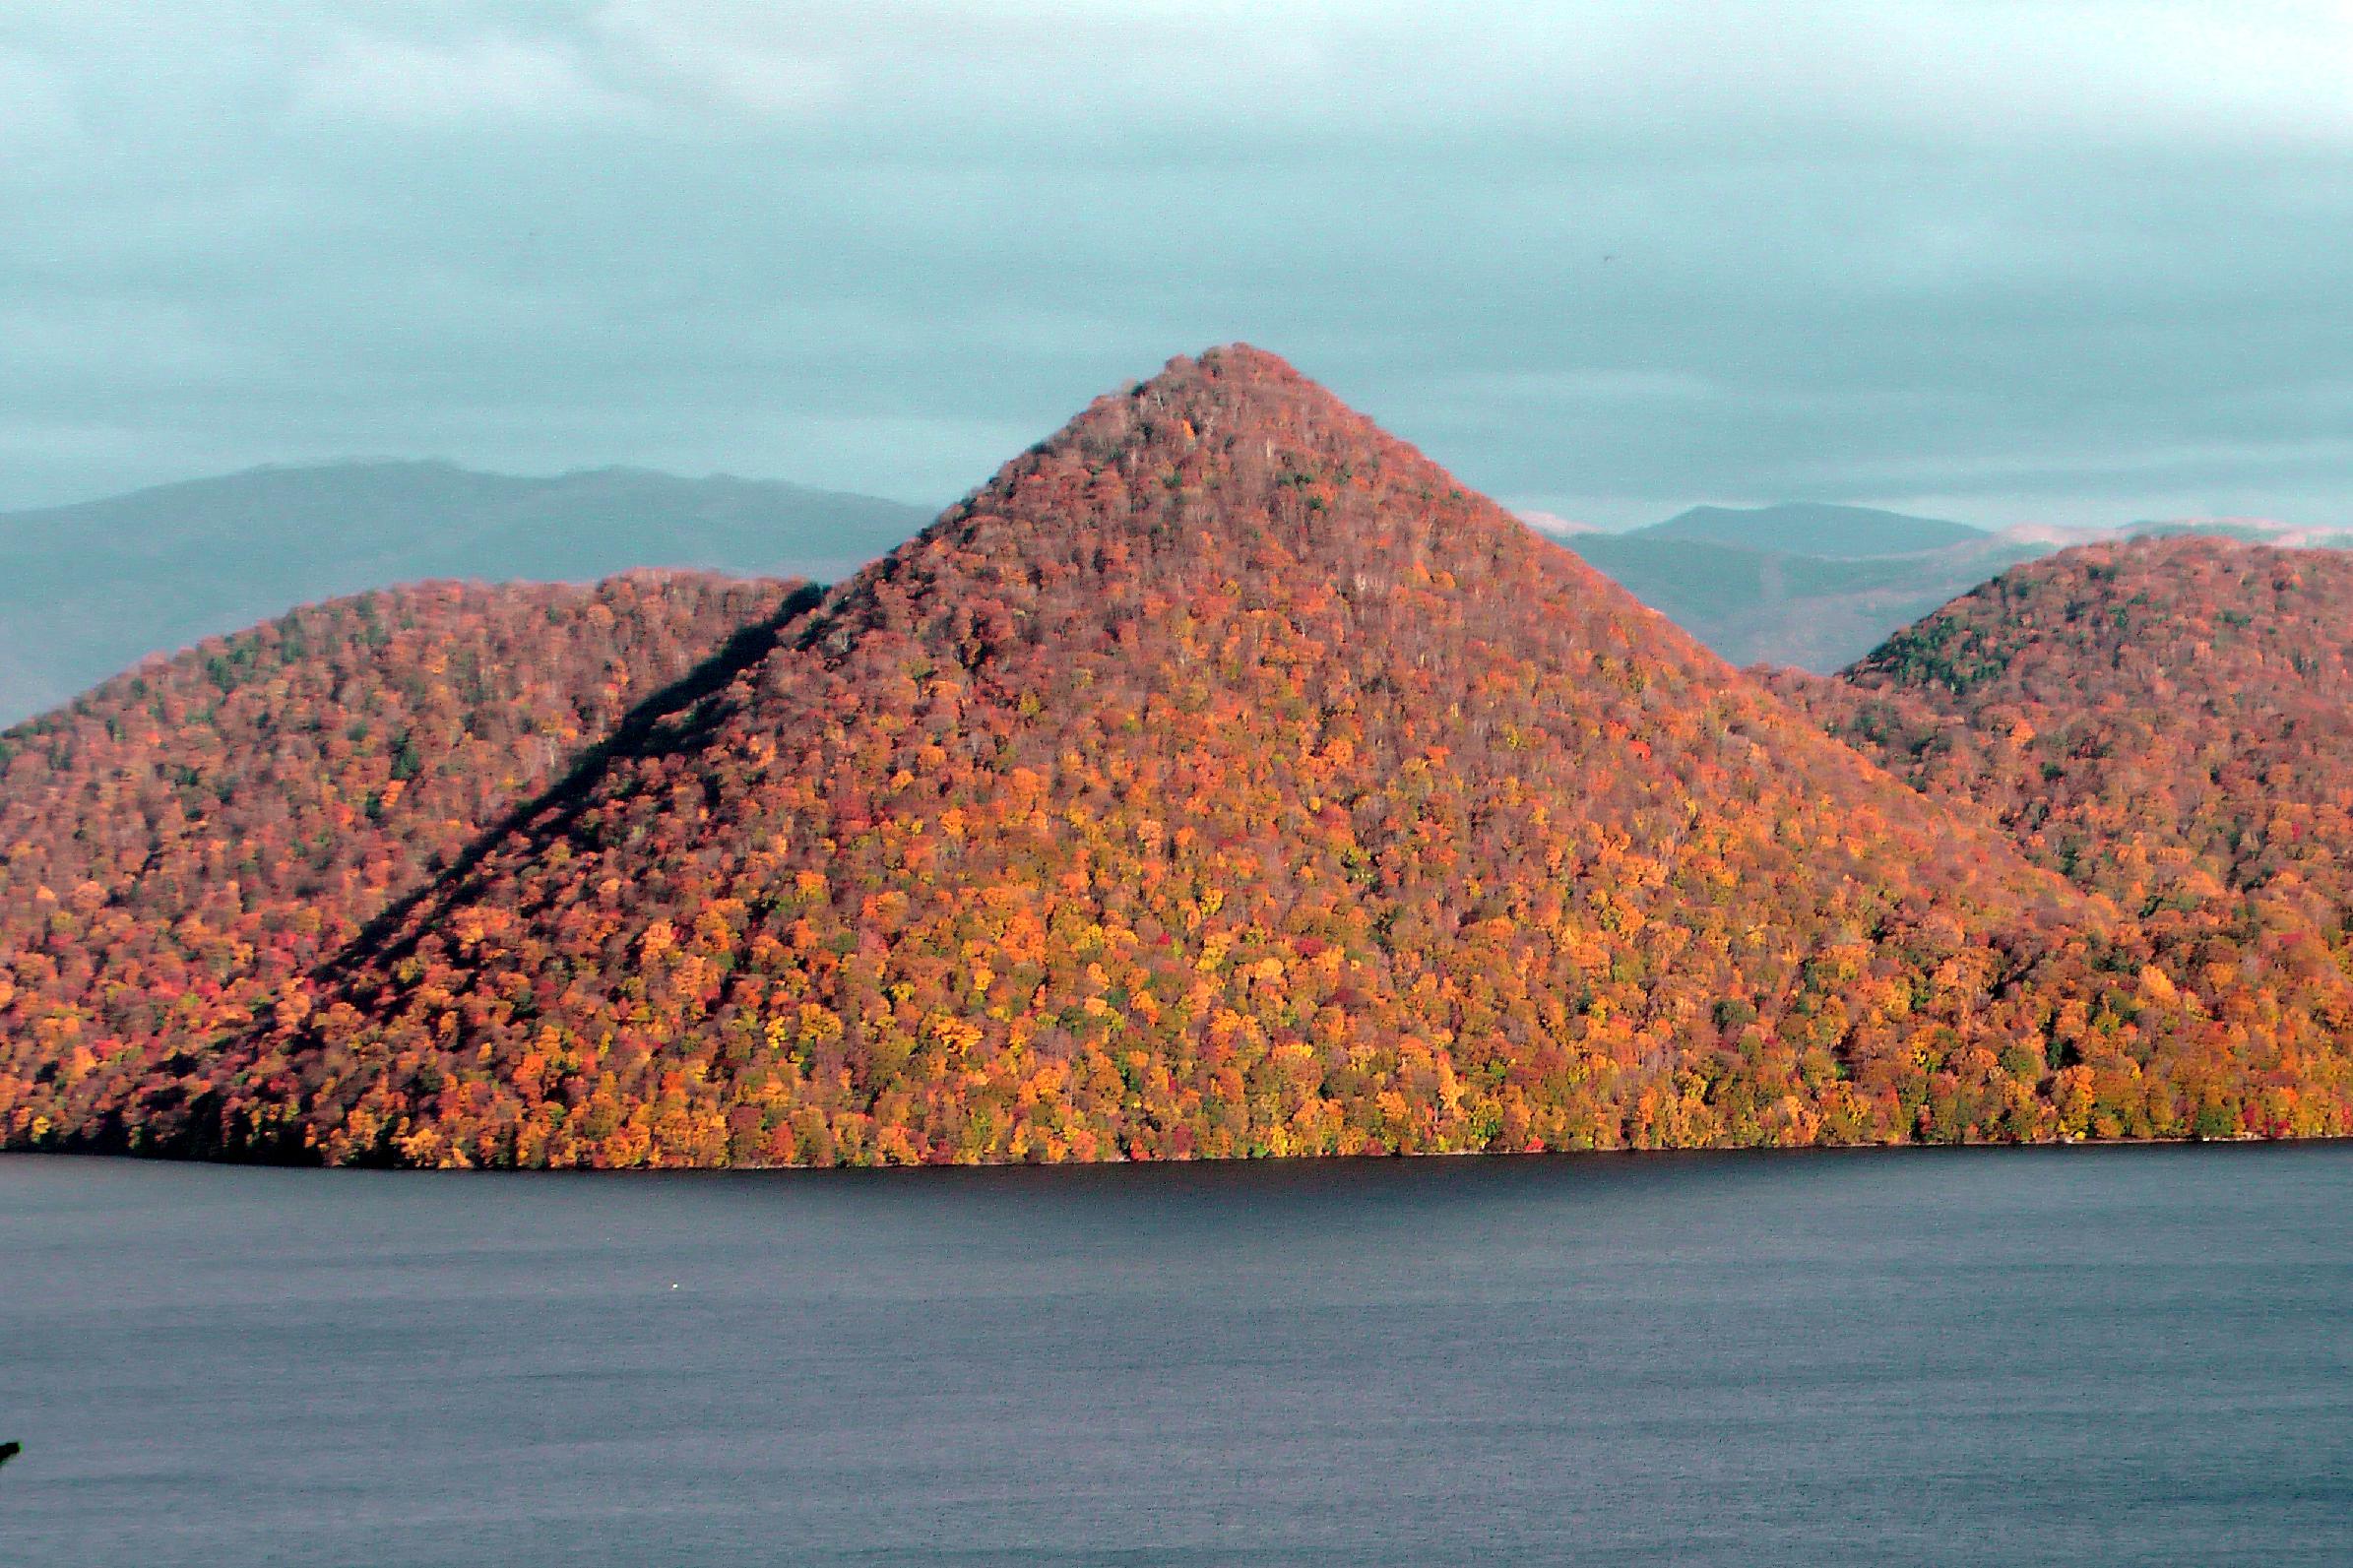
[1221, 778]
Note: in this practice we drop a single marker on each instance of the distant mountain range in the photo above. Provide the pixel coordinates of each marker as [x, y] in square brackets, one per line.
[1813, 528]
[85, 589]
[1803, 584]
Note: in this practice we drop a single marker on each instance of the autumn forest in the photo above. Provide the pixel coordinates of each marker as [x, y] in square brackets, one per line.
[1221, 780]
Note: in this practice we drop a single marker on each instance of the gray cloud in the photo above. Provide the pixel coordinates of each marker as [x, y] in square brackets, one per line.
[2002, 260]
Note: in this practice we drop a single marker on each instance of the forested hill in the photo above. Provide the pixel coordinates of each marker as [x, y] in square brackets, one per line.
[85, 589]
[1819, 586]
[187, 844]
[1222, 779]
[2167, 722]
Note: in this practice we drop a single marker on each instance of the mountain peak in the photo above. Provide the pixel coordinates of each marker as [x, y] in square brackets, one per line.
[1230, 365]
[1237, 446]
[1232, 393]
[1232, 475]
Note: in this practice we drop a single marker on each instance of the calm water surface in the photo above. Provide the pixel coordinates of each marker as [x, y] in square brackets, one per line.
[2086, 1355]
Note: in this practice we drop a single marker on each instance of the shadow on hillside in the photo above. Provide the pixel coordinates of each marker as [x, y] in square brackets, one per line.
[177, 1113]
[678, 718]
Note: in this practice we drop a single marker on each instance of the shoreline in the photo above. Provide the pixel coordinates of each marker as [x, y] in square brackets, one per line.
[1304, 1164]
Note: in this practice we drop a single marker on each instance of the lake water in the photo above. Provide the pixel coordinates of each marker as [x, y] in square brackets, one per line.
[2116, 1355]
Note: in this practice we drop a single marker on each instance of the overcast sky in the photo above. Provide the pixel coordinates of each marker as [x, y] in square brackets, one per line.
[2062, 262]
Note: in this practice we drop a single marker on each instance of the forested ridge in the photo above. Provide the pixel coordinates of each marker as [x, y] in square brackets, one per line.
[2165, 721]
[189, 844]
[87, 588]
[1222, 779]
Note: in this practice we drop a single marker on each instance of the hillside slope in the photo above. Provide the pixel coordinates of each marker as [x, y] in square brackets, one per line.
[187, 844]
[1221, 780]
[84, 589]
[2169, 722]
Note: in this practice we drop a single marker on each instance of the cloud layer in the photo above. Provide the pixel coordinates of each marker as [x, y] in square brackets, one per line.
[2001, 260]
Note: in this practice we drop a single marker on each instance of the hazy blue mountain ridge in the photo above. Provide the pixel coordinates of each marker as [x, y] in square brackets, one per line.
[1814, 528]
[1765, 606]
[89, 588]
